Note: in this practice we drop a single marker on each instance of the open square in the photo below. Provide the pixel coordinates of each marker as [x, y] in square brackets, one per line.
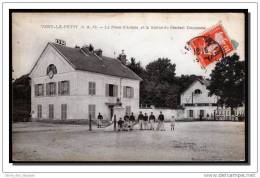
[191, 141]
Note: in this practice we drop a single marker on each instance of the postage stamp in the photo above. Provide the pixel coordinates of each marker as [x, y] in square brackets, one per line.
[212, 45]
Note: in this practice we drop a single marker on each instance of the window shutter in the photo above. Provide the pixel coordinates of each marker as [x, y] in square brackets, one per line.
[68, 89]
[94, 88]
[42, 86]
[115, 90]
[89, 88]
[47, 89]
[59, 88]
[54, 88]
[132, 92]
[107, 89]
[124, 91]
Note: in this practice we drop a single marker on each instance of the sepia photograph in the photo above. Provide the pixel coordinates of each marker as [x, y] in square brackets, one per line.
[129, 86]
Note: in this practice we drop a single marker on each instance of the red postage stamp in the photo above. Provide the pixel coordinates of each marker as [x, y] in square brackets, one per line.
[212, 45]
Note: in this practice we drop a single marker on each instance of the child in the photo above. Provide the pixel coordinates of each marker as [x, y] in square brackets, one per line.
[172, 123]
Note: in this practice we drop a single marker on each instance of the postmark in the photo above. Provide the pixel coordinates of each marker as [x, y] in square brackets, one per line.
[212, 45]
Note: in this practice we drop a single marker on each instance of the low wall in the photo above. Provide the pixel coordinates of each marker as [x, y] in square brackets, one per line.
[168, 113]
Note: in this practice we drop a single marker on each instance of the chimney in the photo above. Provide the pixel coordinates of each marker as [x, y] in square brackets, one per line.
[88, 49]
[98, 52]
[122, 57]
[61, 42]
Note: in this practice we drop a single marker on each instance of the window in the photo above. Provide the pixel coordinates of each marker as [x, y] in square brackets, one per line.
[201, 113]
[51, 89]
[190, 113]
[197, 91]
[39, 111]
[63, 111]
[92, 110]
[51, 111]
[39, 90]
[52, 68]
[64, 88]
[128, 110]
[91, 88]
[128, 92]
[111, 90]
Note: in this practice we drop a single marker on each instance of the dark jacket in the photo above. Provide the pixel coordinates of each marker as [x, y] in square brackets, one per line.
[132, 118]
[100, 117]
[151, 117]
[140, 117]
[145, 118]
[161, 117]
[120, 123]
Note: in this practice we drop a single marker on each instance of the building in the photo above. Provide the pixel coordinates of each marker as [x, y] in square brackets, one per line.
[71, 83]
[196, 101]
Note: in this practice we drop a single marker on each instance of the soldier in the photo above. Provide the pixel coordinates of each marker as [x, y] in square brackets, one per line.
[99, 120]
[161, 122]
[120, 124]
[145, 121]
[126, 122]
[141, 120]
[151, 121]
[132, 120]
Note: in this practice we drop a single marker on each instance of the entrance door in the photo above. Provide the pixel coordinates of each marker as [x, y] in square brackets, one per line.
[111, 112]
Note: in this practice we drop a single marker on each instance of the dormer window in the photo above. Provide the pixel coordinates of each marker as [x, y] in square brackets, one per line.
[197, 91]
[51, 70]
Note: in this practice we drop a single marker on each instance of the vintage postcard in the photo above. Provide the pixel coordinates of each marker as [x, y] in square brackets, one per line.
[129, 86]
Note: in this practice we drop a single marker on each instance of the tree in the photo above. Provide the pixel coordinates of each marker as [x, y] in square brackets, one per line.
[161, 70]
[228, 81]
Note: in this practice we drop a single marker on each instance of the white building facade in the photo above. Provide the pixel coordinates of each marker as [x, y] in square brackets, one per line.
[196, 101]
[72, 83]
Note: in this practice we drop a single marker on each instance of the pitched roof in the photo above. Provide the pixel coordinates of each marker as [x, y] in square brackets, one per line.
[80, 60]
[202, 81]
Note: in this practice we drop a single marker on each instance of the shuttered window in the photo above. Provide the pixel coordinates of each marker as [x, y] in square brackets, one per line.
[91, 88]
[64, 87]
[128, 92]
[39, 111]
[51, 89]
[39, 90]
[111, 90]
[64, 111]
[51, 111]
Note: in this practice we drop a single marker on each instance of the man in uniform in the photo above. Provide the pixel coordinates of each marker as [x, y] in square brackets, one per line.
[132, 121]
[99, 120]
[141, 120]
[151, 121]
[161, 122]
[145, 121]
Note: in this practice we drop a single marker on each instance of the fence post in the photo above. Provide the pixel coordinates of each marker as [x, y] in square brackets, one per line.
[114, 122]
[90, 128]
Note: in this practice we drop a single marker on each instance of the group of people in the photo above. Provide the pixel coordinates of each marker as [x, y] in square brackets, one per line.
[145, 122]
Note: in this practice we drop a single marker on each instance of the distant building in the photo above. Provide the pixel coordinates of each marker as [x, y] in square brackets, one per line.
[196, 101]
[71, 83]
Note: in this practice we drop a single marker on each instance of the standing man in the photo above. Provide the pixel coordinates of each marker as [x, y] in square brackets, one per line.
[132, 121]
[151, 121]
[99, 120]
[145, 121]
[161, 122]
[141, 120]
[126, 123]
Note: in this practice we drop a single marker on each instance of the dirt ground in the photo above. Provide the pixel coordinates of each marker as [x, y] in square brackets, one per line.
[191, 141]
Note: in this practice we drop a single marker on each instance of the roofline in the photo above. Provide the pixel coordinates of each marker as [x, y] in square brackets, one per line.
[196, 80]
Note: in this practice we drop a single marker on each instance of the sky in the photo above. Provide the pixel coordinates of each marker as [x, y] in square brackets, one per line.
[144, 36]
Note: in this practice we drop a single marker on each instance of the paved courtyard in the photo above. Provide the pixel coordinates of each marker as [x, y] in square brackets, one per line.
[191, 141]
